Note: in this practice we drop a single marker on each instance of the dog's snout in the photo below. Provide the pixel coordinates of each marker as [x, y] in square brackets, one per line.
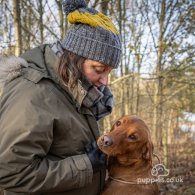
[107, 140]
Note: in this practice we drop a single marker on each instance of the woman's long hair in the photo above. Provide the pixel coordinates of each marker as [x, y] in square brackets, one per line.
[70, 68]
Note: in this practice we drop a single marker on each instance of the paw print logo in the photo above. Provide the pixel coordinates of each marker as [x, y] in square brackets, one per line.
[159, 170]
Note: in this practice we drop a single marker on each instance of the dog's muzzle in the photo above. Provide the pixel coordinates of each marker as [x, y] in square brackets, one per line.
[106, 140]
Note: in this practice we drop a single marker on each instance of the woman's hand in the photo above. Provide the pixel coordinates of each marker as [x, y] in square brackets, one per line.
[97, 158]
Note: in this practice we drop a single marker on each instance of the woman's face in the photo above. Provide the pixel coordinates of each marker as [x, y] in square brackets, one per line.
[96, 72]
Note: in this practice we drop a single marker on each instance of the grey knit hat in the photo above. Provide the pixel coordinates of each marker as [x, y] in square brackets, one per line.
[92, 34]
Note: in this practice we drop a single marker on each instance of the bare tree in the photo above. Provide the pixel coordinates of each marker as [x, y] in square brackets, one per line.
[17, 26]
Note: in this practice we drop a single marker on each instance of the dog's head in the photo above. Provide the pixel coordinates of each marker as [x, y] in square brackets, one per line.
[129, 136]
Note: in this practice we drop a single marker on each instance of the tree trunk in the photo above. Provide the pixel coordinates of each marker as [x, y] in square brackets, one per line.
[159, 70]
[120, 30]
[27, 23]
[17, 27]
[61, 16]
[41, 21]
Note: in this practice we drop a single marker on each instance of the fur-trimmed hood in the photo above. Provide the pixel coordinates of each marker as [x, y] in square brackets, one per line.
[10, 68]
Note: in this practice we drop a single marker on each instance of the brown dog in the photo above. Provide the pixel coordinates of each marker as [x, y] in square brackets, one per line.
[129, 148]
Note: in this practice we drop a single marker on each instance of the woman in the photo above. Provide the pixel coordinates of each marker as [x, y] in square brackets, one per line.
[52, 98]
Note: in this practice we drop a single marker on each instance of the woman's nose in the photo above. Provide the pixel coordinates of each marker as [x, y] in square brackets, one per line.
[104, 79]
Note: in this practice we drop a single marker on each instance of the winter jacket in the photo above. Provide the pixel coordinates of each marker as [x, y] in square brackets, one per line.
[43, 131]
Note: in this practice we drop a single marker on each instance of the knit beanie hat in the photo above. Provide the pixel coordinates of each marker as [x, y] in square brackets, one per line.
[92, 35]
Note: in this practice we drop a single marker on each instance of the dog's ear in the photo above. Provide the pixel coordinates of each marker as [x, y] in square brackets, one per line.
[147, 151]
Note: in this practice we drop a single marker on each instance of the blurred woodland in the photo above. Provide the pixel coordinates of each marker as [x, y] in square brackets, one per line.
[156, 77]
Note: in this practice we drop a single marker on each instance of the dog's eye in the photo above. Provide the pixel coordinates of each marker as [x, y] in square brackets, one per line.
[132, 137]
[118, 123]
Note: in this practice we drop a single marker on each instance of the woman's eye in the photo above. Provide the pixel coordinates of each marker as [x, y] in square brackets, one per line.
[99, 70]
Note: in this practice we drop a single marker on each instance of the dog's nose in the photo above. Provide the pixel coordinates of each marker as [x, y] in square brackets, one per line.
[107, 140]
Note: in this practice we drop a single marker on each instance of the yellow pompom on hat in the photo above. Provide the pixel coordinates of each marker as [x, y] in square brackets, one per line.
[92, 35]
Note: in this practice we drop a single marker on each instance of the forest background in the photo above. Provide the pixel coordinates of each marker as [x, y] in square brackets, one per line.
[156, 77]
